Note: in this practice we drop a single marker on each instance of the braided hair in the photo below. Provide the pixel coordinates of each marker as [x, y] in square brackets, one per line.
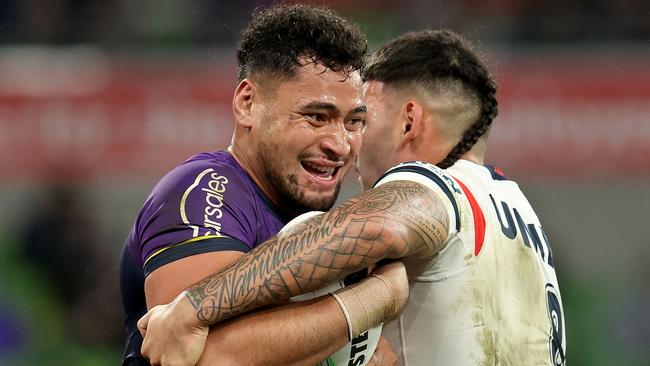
[431, 57]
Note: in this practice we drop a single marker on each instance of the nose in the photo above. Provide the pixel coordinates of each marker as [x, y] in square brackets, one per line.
[336, 140]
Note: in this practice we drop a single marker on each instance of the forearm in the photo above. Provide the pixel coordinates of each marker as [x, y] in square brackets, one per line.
[301, 333]
[396, 220]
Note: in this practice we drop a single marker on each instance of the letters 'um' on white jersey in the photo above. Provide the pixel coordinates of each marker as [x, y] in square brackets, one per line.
[490, 296]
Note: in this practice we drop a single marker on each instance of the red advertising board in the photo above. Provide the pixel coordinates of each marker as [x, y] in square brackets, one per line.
[573, 117]
[558, 117]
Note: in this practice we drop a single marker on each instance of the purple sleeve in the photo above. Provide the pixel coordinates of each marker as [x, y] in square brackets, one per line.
[198, 207]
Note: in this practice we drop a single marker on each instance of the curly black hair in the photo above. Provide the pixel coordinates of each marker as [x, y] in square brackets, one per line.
[276, 39]
[431, 57]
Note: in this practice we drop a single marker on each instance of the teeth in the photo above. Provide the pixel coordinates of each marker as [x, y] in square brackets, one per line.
[322, 169]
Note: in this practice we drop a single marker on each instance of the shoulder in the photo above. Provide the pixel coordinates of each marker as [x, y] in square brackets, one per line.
[436, 179]
[204, 188]
[421, 172]
[208, 197]
[208, 173]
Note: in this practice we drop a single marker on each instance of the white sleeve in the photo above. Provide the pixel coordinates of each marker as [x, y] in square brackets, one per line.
[433, 178]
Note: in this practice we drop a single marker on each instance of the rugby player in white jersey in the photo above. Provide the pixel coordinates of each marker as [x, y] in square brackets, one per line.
[483, 284]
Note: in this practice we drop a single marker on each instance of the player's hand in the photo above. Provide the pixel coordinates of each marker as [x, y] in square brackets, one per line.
[173, 335]
[384, 354]
[395, 273]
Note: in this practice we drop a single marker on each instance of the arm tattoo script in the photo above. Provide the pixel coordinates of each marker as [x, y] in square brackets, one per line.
[397, 219]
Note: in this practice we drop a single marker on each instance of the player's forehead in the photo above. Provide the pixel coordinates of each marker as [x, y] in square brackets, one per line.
[375, 96]
[373, 89]
[315, 84]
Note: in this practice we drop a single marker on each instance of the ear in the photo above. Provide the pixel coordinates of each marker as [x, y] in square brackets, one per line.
[242, 103]
[412, 122]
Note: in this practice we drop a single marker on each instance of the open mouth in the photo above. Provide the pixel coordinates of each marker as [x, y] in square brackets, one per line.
[321, 171]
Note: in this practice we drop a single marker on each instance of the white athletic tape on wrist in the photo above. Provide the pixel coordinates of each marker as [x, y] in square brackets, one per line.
[364, 303]
[345, 312]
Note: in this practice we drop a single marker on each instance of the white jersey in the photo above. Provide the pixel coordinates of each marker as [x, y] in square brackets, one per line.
[490, 296]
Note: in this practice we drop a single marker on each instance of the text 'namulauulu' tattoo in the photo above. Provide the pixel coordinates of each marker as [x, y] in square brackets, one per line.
[394, 220]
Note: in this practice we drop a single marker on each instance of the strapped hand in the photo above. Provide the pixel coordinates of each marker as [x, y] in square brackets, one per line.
[395, 273]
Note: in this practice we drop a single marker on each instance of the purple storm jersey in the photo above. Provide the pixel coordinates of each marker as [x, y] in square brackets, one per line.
[206, 204]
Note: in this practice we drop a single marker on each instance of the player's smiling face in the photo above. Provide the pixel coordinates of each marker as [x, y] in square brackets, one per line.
[309, 136]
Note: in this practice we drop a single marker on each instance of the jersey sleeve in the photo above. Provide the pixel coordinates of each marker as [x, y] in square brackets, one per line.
[198, 207]
[435, 179]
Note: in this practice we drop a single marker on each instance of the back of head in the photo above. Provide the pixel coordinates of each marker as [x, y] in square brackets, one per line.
[441, 64]
[278, 39]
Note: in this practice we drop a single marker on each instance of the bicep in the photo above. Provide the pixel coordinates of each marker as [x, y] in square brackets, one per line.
[427, 219]
[397, 219]
[165, 283]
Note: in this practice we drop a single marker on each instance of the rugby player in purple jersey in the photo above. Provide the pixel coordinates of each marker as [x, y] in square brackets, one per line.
[298, 115]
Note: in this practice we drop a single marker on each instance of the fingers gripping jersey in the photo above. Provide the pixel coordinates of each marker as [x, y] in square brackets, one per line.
[490, 296]
[206, 204]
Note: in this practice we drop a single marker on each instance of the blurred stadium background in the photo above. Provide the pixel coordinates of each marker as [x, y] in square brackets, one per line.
[98, 99]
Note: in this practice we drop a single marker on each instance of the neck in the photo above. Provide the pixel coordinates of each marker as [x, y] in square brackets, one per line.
[474, 158]
[477, 153]
[249, 168]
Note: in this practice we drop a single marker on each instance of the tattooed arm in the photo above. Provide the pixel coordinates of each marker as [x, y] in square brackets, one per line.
[397, 219]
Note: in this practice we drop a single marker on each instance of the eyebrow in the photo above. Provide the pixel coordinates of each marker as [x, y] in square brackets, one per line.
[321, 105]
[332, 108]
[360, 109]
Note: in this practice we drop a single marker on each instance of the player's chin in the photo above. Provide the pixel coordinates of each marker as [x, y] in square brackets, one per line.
[320, 199]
